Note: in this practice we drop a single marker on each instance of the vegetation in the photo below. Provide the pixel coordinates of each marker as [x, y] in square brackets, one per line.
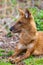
[38, 17]
[9, 34]
[14, 2]
[34, 61]
[10, 53]
[4, 63]
[5, 53]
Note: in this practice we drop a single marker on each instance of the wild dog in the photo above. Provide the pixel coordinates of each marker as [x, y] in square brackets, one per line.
[31, 40]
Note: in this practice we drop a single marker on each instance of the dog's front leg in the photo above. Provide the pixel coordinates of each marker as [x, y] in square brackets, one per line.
[20, 58]
[26, 55]
[17, 51]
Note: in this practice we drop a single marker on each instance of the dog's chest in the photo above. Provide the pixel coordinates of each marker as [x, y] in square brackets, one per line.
[25, 37]
[29, 46]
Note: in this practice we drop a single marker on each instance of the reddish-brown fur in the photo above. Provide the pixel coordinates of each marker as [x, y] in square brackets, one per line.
[31, 40]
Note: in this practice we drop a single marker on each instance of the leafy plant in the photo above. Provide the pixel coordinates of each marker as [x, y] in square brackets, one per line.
[38, 17]
[2, 50]
[10, 53]
[14, 2]
[9, 34]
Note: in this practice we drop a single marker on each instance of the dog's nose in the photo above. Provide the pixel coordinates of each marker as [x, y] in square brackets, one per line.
[12, 28]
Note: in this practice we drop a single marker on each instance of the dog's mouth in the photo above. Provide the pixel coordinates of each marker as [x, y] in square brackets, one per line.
[16, 31]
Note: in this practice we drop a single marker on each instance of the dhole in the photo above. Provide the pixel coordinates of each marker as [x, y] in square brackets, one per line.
[31, 40]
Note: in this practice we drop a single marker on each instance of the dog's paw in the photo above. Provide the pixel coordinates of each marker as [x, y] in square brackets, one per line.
[16, 60]
[21, 63]
[11, 60]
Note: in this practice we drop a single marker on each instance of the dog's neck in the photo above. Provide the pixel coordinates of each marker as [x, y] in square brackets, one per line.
[31, 28]
[26, 37]
[28, 33]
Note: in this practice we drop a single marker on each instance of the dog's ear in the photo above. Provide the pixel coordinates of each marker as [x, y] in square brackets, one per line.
[27, 13]
[21, 11]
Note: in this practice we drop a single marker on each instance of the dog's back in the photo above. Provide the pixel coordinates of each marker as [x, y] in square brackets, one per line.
[39, 46]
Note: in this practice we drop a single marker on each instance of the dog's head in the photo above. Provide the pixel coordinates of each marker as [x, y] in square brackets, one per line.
[23, 22]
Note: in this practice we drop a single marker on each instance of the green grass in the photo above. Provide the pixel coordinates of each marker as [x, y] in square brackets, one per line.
[3, 51]
[34, 61]
[30, 61]
[10, 53]
[5, 63]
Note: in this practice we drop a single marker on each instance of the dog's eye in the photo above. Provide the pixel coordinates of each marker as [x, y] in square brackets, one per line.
[20, 22]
